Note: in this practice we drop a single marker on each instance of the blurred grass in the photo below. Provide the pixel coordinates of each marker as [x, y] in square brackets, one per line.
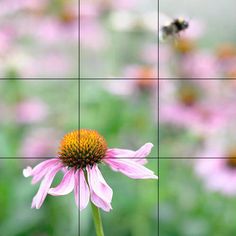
[125, 122]
[57, 216]
[187, 208]
[60, 97]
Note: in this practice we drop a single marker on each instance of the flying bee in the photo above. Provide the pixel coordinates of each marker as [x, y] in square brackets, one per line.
[173, 28]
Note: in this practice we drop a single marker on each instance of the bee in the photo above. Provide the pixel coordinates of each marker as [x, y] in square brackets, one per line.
[173, 28]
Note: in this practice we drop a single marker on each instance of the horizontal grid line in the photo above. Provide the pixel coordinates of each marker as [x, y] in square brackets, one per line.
[47, 158]
[154, 79]
[25, 158]
[42, 79]
[209, 78]
[115, 79]
[195, 158]
[117, 158]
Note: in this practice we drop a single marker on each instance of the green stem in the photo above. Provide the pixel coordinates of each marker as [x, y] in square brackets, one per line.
[97, 220]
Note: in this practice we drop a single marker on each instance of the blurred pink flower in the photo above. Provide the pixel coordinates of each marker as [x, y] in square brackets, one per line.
[90, 28]
[218, 171]
[140, 72]
[200, 65]
[7, 36]
[38, 144]
[150, 54]
[195, 105]
[80, 153]
[56, 65]
[120, 87]
[12, 6]
[130, 87]
[226, 55]
[30, 111]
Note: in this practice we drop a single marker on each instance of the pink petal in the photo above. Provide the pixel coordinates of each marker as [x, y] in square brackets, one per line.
[138, 156]
[40, 170]
[84, 191]
[101, 193]
[119, 153]
[44, 187]
[130, 168]
[76, 188]
[66, 186]
[144, 150]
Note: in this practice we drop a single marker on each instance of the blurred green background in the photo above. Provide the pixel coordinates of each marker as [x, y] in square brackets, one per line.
[34, 116]
[116, 48]
[187, 208]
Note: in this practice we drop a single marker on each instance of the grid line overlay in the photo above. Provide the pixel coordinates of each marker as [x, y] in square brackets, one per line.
[41, 79]
[148, 158]
[78, 173]
[158, 116]
[158, 158]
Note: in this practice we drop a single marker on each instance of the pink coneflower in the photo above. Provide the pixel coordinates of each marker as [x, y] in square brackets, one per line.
[218, 174]
[80, 153]
[193, 104]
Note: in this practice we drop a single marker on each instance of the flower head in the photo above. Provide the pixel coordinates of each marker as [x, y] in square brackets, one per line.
[79, 154]
[218, 174]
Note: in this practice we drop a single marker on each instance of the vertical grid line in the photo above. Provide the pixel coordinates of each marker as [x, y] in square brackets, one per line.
[79, 40]
[78, 173]
[158, 155]
[158, 40]
[158, 126]
[79, 111]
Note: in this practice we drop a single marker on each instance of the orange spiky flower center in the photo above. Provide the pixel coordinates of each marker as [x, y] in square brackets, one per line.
[81, 148]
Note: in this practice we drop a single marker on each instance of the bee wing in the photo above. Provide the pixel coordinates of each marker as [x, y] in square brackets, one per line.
[163, 20]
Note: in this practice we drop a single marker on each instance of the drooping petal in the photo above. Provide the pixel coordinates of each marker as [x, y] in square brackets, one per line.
[144, 150]
[119, 153]
[76, 188]
[39, 171]
[84, 191]
[66, 186]
[137, 156]
[101, 193]
[99, 202]
[44, 186]
[130, 168]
